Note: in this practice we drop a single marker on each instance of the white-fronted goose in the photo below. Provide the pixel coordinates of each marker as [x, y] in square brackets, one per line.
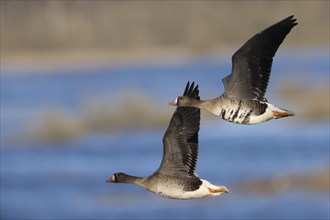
[243, 100]
[176, 177]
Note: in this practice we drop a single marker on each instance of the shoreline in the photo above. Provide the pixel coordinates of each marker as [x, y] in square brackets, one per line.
[43, 62]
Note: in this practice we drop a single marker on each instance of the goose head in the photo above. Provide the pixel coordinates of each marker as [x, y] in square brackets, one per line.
[117, 178]
[183, 101]
[125, 178]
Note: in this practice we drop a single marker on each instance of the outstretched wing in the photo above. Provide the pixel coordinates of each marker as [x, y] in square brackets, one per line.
[252, 63]
[180, 141]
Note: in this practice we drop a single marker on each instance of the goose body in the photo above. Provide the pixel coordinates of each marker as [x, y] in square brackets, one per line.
[243, 100]
[241, 111]
[175, 187]
[176, 177]
[203, 189]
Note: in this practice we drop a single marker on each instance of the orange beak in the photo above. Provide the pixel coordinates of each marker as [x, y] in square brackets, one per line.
[173, 103]
[111, 179]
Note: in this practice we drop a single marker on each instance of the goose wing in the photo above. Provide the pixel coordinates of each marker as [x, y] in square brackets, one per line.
[252, 63]
[180, 142]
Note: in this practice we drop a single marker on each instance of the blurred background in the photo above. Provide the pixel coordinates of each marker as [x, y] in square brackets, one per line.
[84, 92]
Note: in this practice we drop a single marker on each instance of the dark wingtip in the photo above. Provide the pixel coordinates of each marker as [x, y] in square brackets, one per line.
[191, 90]
[187, 88]
[290, 21]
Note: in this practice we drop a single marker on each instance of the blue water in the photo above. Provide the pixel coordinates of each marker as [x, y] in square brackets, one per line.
[67, 179]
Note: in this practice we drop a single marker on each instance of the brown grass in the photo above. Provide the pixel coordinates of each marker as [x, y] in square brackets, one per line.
[55, 125]
[313, 181]
[195, 25]
[41, 35]
[312, 102]
[134, 111]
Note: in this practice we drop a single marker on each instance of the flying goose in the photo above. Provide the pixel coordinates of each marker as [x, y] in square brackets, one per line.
[243, 100]
[176, 177]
